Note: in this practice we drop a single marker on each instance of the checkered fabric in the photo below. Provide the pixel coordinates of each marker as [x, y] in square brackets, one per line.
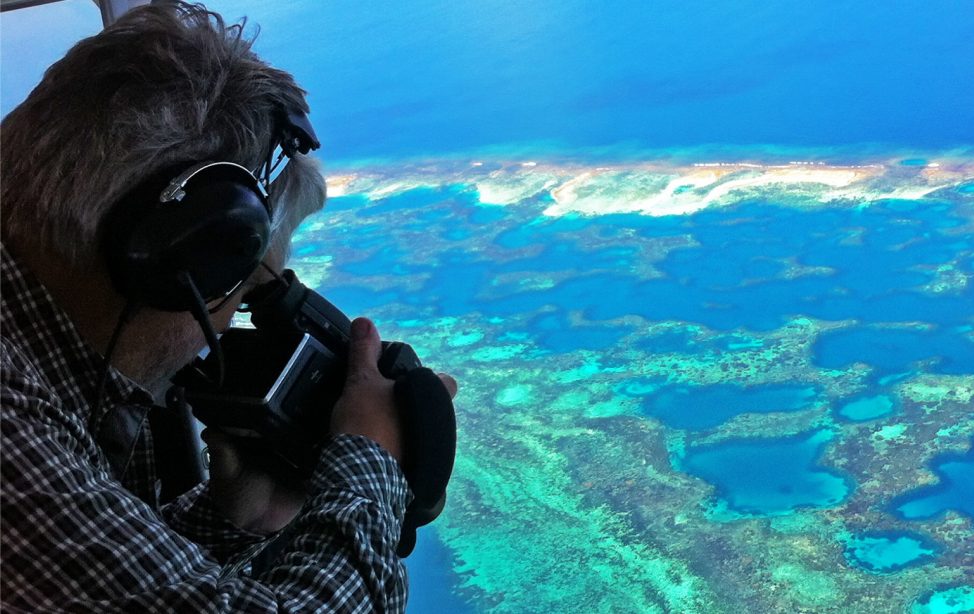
[77, 537]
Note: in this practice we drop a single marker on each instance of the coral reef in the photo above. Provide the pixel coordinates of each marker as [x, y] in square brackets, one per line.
[718, 387]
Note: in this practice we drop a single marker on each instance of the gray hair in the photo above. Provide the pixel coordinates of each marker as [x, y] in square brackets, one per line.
[167, 84]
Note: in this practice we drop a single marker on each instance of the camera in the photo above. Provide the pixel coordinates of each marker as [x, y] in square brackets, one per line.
[276, 384]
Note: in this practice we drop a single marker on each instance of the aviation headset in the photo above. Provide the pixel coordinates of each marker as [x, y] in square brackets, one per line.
[186, 236]
[193, 233]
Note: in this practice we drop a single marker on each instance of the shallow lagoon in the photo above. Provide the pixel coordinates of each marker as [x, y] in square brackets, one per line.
[948, 600]
[768, 477]
[867, 408]
[888, 552]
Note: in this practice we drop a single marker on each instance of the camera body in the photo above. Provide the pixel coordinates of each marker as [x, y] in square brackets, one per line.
[283, 377]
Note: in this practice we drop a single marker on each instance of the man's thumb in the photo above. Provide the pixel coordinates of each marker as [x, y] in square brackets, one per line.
[365, 346]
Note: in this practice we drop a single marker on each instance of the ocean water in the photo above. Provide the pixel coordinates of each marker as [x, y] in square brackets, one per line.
[396, 79]
[393, 80]
[704, 273]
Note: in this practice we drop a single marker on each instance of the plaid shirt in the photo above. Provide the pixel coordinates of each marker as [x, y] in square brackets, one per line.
[77, 537]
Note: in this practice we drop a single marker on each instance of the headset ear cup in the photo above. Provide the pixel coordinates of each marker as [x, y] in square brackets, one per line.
[217, 232]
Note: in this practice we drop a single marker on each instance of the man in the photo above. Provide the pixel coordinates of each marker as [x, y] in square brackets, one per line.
[82, 530]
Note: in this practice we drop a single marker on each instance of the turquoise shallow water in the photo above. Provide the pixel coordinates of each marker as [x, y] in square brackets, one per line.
[889, 552]
[867, 408]
[552, 318]
[949, 600]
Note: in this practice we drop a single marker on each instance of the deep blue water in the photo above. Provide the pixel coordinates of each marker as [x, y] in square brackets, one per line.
[896, 350]
[698, 408]
[769, 476]
[556, 333]
[432, 582]
[390, 79]
[954, 490]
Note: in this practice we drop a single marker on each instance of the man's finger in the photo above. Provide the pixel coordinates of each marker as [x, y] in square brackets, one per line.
[225, 461]
[365, 347]
[450, 383]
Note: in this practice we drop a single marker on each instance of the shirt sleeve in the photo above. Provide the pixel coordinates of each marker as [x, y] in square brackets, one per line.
[74, 539]
[195, 516]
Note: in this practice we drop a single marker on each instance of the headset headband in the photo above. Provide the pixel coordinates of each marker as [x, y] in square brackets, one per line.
[176, 190]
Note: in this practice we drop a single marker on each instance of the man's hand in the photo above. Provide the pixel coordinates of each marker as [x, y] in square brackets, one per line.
[257, 491]
[254, 488]
[367, 405]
